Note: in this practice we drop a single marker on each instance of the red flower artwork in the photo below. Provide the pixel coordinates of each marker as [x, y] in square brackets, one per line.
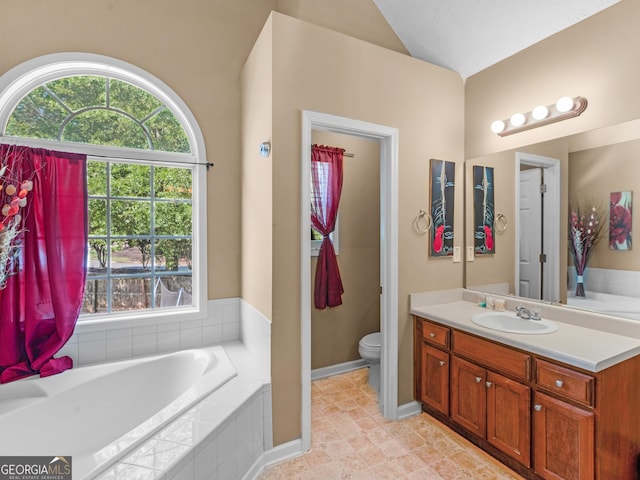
[620, 221]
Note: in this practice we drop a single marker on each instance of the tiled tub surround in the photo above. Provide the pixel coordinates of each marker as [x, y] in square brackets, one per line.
[605, 280]
[223, 435]
[613, 292]
[94, 343]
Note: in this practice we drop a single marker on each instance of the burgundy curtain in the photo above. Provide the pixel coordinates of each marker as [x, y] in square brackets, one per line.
[326, 178]
[41, 302]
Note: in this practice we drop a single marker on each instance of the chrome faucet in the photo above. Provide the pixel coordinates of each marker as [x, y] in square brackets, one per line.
[523, 312]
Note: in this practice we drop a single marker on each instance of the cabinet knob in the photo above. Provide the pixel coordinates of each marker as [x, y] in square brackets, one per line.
[442, 362]
[559, 383]
[488, 384]
[478, 379]
[537, 408]
[432, 335]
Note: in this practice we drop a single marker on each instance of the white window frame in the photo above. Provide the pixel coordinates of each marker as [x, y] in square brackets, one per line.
[22, 79]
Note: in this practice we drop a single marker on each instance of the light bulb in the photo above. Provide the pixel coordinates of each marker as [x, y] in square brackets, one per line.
[540, 112]
[517, 119]
[498, 126]
[564, 104]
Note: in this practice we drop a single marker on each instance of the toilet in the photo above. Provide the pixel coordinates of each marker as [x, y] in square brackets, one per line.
[369, 349]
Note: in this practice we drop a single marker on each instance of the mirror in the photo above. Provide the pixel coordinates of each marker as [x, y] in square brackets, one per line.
[585, 168]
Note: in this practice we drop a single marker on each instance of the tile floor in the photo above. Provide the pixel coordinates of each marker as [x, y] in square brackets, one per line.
[350, 440]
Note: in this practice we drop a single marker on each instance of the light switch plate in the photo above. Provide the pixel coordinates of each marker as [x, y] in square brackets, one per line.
[470, 254]
[456, 254]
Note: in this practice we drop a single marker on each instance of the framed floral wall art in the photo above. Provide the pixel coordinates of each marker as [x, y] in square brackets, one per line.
[620, 220]
[442, 183]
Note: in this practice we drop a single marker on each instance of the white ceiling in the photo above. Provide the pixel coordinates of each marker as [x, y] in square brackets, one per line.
[470, 35]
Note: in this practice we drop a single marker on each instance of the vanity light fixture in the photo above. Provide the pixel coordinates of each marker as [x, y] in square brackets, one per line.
[564, 108]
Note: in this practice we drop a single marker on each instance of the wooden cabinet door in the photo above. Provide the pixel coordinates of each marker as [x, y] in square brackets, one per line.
[564, 440]
[509, 417]
[435, 378]
[468, 396]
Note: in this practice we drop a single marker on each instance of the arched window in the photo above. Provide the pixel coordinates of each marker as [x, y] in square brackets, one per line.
[146, 177]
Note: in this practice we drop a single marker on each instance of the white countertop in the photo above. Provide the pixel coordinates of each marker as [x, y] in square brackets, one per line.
[590, 349]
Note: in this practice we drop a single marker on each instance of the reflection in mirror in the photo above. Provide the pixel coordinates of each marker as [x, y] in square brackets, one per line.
[589, 166]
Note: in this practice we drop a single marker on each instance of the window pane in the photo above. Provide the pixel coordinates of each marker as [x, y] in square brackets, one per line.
[174, 255]
[80, 91]
[95, 296]
[38, 115]
[130, 217]
[96, 177]
[97, 217]
[130, 257]
[173, 218]
[97, 257]
[172, 182]
[104, 127]
[130, 99]
[167, 134]
[130, 294]
[130, 180]
[173, 291]
[99, 111]
[126, 256]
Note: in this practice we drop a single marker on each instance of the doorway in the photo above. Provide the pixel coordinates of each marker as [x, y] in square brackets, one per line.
[388, 138]
[537, 227]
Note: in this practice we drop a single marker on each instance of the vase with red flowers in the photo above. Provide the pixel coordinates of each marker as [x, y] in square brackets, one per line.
[585, 231]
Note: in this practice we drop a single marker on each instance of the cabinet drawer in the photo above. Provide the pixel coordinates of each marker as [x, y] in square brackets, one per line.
[501, 358]
[563, 381]
[435, 334]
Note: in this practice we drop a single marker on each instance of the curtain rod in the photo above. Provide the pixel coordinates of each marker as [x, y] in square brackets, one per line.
[207, 164]
[347, 154]
[46, 146]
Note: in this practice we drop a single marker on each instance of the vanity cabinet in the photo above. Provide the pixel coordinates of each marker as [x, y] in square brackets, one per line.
[490, 405]
[435, 379]
[434, 365]
[564, 439]
[543, 418]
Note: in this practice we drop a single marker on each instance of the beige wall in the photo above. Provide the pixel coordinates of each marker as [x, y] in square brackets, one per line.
[256, 177]
[357, 18]
[595, 58]
[593, 175]
[335, 332]
[320, 70]
[198, 48]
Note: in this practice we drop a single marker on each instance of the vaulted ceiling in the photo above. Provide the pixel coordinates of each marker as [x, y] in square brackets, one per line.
[468, 36]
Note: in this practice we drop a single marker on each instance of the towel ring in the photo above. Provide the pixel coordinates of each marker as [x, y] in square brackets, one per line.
[416, 222]
[500, 225]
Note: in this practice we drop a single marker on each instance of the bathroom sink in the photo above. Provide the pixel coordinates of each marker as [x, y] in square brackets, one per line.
[510, 323]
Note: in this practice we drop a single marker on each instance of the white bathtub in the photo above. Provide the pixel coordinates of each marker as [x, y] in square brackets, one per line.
[96, 414]
[607, 303]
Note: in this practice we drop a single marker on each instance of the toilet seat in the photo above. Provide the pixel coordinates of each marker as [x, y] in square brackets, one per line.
[372, 341]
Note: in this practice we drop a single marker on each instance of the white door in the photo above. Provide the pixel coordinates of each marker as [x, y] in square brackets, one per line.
[530, 233]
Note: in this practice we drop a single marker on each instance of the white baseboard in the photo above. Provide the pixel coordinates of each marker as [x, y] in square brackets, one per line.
[409, 410]
[277, 454]
[337, 369]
